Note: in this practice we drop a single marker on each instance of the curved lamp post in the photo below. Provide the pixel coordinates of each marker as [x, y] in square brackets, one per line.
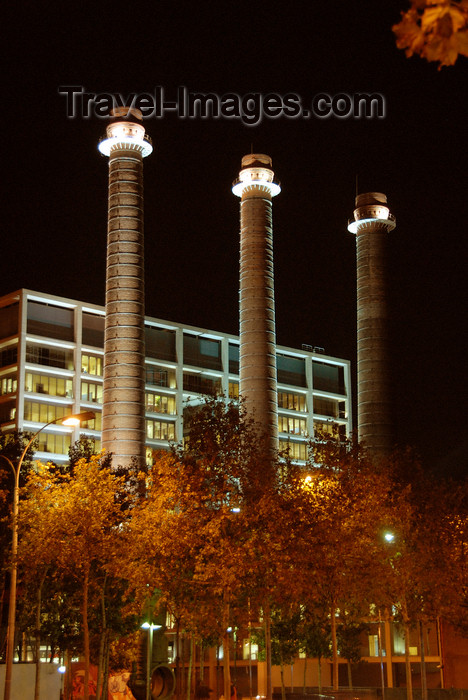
[73, 419]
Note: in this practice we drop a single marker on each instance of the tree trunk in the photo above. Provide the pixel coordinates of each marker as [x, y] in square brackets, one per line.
[304, 677]
[334, 647]
[423, 663]
[409, 681]
[190, 667]
[226, 649]
[86, 631]
[202, 662]
[269, 690]
[37, 683]
[226, 667]
[283, 689]
[319, 674]
[177, 660]
[350, 675]
[102, 640]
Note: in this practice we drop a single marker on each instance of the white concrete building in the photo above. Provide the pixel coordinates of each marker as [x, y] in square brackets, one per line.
[51, 365]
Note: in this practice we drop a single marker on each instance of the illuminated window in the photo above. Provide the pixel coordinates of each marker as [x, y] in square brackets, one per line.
[291, 401]
[57, 444]
[91, 392]
[93, 424]
[233, 390]
[330, 428]
[295, 450]
[160, 430]
[8, 385]
[43, 412]
[91, 364]
[158, 403]
[43, 384]
[161, 376]
[290, 424]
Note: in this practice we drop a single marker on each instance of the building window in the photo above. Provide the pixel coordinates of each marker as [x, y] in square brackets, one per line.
[57, 444]
[43, 384]
[9, 320]
[158, 403]
[202, 352]
[8, 356]
[160, 343]
[43, 412]
[292, 425]
[7, 411]
[93, 329]
[201, 384]
[160, 430]
[160, 376]
[234, 350]
[50, 321]
[293, 402]
[328, 377]
[48, 356]
[93, 423]
[291, 370]
[294, 450]
[91, 392]
[233, 390]
[91, 364]
[8, 385]
[330, 428]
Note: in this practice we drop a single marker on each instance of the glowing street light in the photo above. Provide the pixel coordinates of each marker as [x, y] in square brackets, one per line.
[73, 419]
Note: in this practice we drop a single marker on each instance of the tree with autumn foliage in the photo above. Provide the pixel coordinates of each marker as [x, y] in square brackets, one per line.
[423, 572]
[69, 525]
[340, 506]
[434, 30]
[191, 538]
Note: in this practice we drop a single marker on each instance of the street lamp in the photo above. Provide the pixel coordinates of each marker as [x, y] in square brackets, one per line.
[73, 419]
[149, 654]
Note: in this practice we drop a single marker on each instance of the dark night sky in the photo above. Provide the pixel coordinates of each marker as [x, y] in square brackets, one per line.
[54, 212]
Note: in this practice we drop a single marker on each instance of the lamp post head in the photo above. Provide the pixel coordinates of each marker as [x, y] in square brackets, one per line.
[77, 418]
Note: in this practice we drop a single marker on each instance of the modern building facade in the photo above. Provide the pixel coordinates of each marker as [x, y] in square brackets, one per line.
[51, 365]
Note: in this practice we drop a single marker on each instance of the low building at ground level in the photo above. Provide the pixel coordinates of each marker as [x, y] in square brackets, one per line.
[51, 365]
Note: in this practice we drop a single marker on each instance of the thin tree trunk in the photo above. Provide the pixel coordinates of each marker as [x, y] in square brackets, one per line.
[102, 640]
[37, 683]
[350, 675]
[86, 631]
[202, 662]
[409, 682]
[283, 689]
[305, 674]
[423, 663]
[269, 690]
[319, 674]
[226, 650]
[105, 675]
[190, 667]
[334, 647]
[178, 678]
